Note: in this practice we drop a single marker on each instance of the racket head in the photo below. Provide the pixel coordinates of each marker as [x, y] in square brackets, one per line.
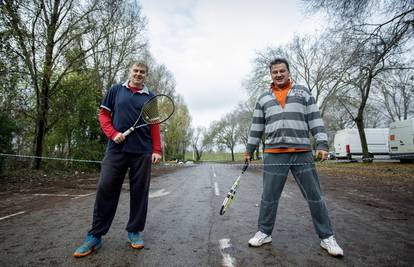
[158, 109]
[228, 201]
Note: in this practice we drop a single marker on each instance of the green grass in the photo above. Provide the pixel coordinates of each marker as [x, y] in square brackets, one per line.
[219, 156]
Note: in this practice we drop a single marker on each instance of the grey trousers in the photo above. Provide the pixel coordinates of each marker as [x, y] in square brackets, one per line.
[274, 179]
[113, 171]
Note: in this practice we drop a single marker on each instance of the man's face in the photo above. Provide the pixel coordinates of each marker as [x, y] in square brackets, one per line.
[280, 74]
[137, 75]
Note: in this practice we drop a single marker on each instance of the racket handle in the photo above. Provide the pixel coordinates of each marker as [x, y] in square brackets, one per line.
[127, 132]
[246, 164]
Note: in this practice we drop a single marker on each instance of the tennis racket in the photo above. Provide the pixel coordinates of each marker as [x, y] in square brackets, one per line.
[228, 201]
[157, 109]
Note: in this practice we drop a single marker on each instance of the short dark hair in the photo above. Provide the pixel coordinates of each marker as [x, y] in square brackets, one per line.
[279, 60]
[139, 63]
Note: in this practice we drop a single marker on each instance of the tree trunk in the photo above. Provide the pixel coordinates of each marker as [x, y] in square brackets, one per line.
[42, 115]
[41, 123]
[365, 153]
[360, 118]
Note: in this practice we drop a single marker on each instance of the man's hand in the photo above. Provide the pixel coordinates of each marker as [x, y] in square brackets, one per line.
[321, 155]
[119, 138]
[156, 158]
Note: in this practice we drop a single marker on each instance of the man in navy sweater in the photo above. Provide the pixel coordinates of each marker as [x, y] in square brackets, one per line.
[118, 111]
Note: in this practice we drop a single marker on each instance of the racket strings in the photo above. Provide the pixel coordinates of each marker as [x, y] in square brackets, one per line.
[158, 109]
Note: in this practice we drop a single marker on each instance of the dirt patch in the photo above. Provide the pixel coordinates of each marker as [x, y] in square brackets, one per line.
[388, 186]
[28, 190]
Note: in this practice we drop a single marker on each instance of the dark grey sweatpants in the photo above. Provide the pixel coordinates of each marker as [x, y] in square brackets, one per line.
[274, 179]
[114, 169]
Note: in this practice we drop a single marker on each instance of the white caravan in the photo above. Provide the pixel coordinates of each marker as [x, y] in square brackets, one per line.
[401, 140]
[348, 143]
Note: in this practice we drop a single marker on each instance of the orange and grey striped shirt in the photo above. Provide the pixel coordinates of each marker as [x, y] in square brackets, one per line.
[288, 126]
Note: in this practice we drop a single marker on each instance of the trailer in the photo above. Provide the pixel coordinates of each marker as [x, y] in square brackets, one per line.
[401, 140]
[347, 143]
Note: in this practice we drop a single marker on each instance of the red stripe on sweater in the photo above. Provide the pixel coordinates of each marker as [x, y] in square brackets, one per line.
[106, 123]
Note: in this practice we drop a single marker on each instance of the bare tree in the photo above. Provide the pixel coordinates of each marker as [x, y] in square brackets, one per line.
[225, 132]
[161, 80]
[396, 94]
[316, 62]
[373, 43]
[117, 43]
[244, 113]
[353, 12]
[201, 140]
[372, 57]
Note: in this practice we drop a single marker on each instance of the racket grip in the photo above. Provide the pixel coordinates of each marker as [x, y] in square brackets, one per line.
[127, 132]
[246, 164]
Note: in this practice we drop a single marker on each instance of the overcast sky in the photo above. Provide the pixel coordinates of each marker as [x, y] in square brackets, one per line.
[209, 45]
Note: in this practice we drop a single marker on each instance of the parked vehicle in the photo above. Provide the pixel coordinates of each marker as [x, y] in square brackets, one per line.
[348, 143]
[401, 140]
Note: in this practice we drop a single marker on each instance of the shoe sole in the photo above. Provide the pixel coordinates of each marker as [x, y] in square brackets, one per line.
[94, 248]
[267, 242]
[135, 246]
[333, 255]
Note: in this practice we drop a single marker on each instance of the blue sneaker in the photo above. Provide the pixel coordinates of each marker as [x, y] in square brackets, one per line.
[135, 240]
[90, 244]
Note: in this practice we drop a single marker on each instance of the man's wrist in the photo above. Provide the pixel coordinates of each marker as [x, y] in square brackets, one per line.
[114, 135]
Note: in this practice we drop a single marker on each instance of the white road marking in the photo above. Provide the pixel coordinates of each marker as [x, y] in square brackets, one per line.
[228, 261]
[214, 172]
[85, 195]
[158, 193]
[216, 189]
[62, 195]
[52, 195]
[12, 215]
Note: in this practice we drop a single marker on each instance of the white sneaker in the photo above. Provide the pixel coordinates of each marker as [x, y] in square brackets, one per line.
[259, 239]
[332, 247]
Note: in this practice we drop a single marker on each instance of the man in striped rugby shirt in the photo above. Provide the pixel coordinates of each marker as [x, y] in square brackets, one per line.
[285, 114]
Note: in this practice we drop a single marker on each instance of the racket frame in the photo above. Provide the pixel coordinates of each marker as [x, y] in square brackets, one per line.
[135, 126]
[228, 201]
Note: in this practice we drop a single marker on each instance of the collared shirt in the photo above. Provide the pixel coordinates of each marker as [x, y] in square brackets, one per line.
[144, 90]
[125, 107]
[281, 93]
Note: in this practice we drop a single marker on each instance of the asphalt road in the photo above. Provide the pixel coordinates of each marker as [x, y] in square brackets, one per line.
[184, 228]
